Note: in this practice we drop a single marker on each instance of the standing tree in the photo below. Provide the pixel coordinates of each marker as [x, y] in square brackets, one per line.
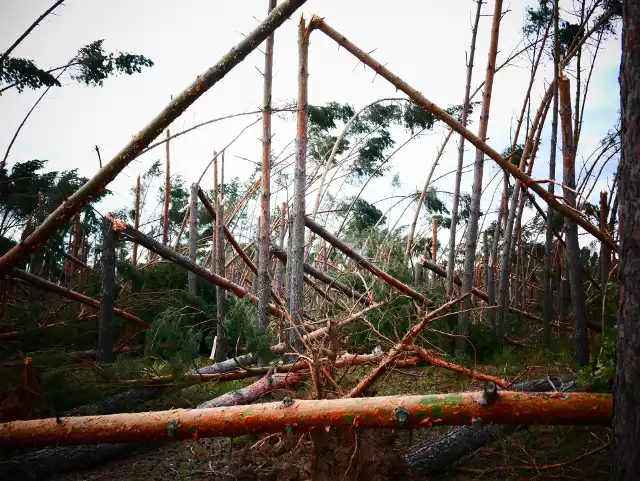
[626, 418]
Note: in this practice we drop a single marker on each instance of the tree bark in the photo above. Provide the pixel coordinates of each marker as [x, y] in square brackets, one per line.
[433, 457]
[279, 277]
[136, 220]
[456, 192]
[296, 259]
[193, 236]
[167, 193]
[184, 262]
[264, 283]
[220, 353]
[373, 412]
[626, 421]
[548, 251]
[476, 190]
[106, 321]
[574, 261]
[47, 462]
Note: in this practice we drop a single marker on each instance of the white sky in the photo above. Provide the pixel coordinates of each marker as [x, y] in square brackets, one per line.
[422, 41]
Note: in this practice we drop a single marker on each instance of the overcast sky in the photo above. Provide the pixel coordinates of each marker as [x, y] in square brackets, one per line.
[422, 41]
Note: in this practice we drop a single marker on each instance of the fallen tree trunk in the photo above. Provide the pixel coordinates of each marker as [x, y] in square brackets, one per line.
[69, 294]
[434, 456]
[325, 278]
[44, 463]
[78, 200]
[186, 263]
[377, 412]
[364, 263]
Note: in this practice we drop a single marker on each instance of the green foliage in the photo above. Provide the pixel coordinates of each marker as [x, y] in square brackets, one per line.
[600, 374]
[90, 66]
[25, 74]
[363, 216]
[170, 339]
[240, 324]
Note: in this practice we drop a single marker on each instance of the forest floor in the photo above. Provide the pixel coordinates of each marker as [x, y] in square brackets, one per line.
[280, 457]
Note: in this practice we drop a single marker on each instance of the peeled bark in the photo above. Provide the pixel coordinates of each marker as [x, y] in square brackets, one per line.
[574, 261]
[46, 462]
[626, 422]
[433, 457]
[106, 321]
[476, 190]
[77, 201]
[456, 192]
[372, 412]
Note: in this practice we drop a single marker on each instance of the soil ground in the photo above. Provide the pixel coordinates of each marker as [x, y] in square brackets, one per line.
[378, 455]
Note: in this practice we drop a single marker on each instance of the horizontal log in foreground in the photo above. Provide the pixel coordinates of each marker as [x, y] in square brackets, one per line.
[470, 408]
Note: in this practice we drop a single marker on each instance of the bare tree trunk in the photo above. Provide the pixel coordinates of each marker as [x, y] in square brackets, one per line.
[463, 120]
[548, 252]
[434, 247]
[476, 192]
[264, 283]
[626, 418]
[296, 258]
[605, 260]
[106, 322]
[134, 257]
[167, 194]
[574, 262]
[220, 352]
[193, 235]
[485, 243]
[279, 277]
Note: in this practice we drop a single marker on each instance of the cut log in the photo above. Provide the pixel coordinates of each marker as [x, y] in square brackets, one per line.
[434, 456]
[467, 408]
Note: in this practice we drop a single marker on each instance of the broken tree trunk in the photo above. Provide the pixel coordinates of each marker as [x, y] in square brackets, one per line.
[374, 412]
[106, 321]
[419, 99]
[77, 201]
[136, 213]
[184, 262]
[69, 294]
[433, 457]
[324, 277]
[574, 261]
[364, 263]
[220, 350]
